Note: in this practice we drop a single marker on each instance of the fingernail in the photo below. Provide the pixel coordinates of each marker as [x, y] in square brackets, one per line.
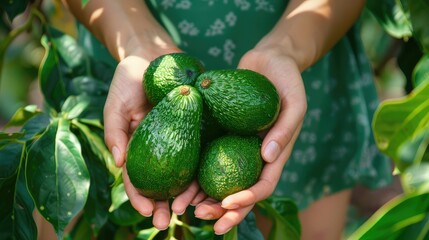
[228, 204]
[221, 233]
[271, 151]
[180, 213]
[205, 217]
[116, 153]
[146, 214]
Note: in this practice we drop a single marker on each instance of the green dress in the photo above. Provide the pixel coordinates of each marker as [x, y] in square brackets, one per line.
[335, 149]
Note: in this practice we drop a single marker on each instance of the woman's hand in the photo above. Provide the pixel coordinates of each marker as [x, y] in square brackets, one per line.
[125, 107]
[278, 142]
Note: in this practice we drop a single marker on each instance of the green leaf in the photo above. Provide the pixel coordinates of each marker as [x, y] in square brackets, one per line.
[16, 212]
[147, 234]
[412, 151]
[416, 178]
[95, 140]
[231, 234]
[284, 226]
[247, 229]
[98, 202]
[8, 138]
[400, 120]
[395, 216]
[391, 17]
[421, 71]
[74, 106]
[126, 215]
[22, 115]
[204, 232]
[416, 231]
[13, 8]
[119, 196]
[57, 177]
[87, 85]
[64, 60]
[419, 19]
[10, 159]
[81, 230]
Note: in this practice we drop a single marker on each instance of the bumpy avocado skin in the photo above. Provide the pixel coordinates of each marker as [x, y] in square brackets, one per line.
[230, 164]
[242, 101]
[163, 153]
[169, 71]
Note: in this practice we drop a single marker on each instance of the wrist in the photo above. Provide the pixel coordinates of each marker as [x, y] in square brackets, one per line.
[287, 46]
[143, 46]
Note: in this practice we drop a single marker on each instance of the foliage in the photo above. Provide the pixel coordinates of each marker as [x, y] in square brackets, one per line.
[401, 127]
[54, 160]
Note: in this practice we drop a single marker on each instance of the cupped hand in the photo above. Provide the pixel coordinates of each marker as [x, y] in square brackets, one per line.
[277, 145]
[125, 107]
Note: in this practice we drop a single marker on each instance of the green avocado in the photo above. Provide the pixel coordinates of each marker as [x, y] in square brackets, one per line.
[241, 100]
[169, 71]
[230, 164]
[163, 153]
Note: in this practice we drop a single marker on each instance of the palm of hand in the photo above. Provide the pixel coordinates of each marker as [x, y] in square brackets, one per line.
[278, 142]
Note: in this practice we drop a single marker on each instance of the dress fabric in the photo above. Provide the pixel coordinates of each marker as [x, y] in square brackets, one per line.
[335, 149]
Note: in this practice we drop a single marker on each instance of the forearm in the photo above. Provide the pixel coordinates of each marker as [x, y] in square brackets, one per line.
[309, 28]
[124, 27]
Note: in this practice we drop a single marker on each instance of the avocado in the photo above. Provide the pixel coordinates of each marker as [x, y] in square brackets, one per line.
[241, 100]
[163, 153]
[169, 71]
[230, 164]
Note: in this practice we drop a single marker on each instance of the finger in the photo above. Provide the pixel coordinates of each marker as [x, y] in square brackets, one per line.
[209, 209]
[143, 205]
[161, 215]
[116, 128]
[184, 199]
[230, 219]
[198, 198]
[288, 122]
[292, 111]
[266, 184]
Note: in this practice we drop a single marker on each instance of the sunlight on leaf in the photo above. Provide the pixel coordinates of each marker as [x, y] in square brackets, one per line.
[395, 216]
[57, 176]
[400, 120]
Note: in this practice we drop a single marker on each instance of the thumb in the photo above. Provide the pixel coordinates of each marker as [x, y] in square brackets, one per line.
[116, 129]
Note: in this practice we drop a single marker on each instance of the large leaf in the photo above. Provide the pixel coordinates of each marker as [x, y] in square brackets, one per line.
[16, 212]
[419, 10]
[57, 177]
[13, 8]
[416, 178]
[284, 225]
[64, 60]
[392, 218]
[399, 120]
[421, 71]
[98, 202]
[413, 151]
[391, 16]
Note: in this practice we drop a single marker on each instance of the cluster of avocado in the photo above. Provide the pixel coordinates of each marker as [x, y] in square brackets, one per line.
[203, 125]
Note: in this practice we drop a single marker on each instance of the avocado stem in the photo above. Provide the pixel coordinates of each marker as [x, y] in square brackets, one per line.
[184, 90]
[205, 83]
